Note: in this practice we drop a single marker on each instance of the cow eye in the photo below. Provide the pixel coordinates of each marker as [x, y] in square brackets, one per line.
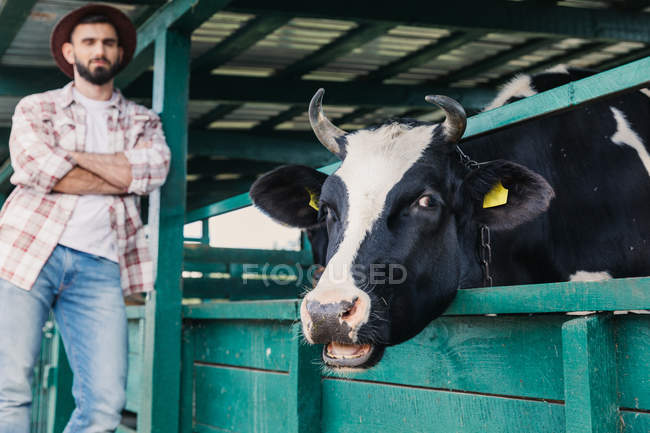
[427, 201]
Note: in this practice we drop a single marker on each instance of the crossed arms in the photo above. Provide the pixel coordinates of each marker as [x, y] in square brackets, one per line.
[40, 163]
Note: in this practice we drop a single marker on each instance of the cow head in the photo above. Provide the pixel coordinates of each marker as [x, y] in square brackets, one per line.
[402, 216]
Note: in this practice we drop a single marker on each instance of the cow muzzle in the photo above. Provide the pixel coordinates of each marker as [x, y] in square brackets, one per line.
[334, 319]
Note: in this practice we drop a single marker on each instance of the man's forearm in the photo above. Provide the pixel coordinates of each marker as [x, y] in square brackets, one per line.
[81, 181]
[113, 168]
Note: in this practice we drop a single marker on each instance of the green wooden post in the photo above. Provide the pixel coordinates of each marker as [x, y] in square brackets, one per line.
[205, 232]
[162, 353]
[589, 359]
[187, 380]
[304, 412]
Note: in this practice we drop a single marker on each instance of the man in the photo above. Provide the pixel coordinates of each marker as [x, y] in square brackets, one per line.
[71, 238]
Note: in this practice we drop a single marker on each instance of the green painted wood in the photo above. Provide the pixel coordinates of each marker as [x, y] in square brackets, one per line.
[187, 380]
[610, 295]
[635, 422]
[135, 68]
[238, 42]
[134, 394]
[304, 390]
[278, 148]
[630, 76]
[507, 356]
[341, 46]
[286, 310]
[589, 355]
[204, 267]
[162, 357]
[424, 55]
[497, 16]
[230, 89]
[135, 312]
[360, 407]
[259, 344]
[13, 14]
[633, 359]
[228, 205]
[233, 399]
[238, 289]
[202, 254]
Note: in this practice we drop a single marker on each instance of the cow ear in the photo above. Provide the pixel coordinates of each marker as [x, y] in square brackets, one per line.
[289, 194]
[505, 195]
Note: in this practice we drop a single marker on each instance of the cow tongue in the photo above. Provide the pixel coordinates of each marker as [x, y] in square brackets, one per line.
[339, 350]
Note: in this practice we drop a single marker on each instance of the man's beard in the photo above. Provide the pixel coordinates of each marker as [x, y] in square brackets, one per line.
[101, 75]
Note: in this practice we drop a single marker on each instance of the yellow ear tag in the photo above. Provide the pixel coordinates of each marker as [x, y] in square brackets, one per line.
[497, 196]
[313, 199]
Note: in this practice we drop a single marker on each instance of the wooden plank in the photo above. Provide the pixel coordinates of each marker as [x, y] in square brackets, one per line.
[635, 422]
[13, 14]
[258, 344]
[633, 359]
[304, 390]
[350, 406]
[135, 312]
[628, 77]
[237, 289]
[238, 42]
[610, 295]
[589, 355]
[542, 18]
[187, 380]
[232, 399]
[202, 254]
[162, 357]
[228, 205]
[507, 356]
[245, 310]
[341, 46]
[133, 383]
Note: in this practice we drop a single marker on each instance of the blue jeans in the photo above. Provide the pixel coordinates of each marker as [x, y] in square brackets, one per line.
[84, 292]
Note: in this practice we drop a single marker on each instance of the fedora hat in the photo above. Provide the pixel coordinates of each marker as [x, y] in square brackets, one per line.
[126, 33]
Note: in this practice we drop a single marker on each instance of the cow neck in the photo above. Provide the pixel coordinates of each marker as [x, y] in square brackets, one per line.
[484, 243]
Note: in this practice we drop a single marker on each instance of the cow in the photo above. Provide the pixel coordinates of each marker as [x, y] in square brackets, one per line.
[564, 197]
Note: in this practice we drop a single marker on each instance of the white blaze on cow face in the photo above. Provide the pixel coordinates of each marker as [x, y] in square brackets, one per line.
[375, 161]
[626, 136]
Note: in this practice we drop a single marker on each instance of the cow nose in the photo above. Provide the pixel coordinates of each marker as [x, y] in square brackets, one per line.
[333, 321]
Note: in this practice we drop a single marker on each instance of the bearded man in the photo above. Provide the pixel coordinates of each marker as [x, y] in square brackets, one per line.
[71, 238]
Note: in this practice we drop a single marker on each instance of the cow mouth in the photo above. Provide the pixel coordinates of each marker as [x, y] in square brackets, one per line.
[339, 355]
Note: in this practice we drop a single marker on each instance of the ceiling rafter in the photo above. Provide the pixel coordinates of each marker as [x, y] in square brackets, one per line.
[13, 15]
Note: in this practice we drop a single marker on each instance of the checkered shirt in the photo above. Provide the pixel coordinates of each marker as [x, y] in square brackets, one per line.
[46, 126]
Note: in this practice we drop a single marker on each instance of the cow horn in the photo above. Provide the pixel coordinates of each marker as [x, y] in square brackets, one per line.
[326, 132]
[456, 120]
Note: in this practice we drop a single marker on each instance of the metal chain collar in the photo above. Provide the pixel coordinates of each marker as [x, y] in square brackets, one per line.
[485, 247]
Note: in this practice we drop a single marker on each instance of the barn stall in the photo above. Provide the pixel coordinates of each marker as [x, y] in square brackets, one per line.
[216, 349]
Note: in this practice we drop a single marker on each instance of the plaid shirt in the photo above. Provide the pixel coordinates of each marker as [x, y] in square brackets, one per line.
[45, 127]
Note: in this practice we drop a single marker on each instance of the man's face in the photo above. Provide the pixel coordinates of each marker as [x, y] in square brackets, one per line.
[94, 51]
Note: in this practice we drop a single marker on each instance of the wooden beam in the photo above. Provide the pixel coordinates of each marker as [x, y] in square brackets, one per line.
[183, 15]
[216, 113]
[284, 116]
[277, 90]
[304, 149]
[423, 55]
[244, 167]
[241, 40]
[159, 411]
[202, 254]
[341, 46]
[13, 15]
[498, 16]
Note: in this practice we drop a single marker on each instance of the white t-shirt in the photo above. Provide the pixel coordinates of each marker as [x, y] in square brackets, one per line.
[89, 228]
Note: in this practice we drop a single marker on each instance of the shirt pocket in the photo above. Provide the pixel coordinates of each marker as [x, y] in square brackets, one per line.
[65, 132]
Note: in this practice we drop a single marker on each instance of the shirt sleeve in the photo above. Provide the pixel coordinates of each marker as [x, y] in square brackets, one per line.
[149, 158]
[37, 160]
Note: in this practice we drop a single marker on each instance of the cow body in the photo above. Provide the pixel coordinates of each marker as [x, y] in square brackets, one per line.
[577, 208]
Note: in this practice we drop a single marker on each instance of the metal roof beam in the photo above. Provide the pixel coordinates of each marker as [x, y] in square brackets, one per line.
[185, 15]
[625, 58]
[282, 117]
[241, 40]
[13, 15]
[218, 112]
[423, 55]
[496, 15]
[341, 46]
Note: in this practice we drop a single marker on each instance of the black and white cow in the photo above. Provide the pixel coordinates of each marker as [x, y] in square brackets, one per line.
[577, 207]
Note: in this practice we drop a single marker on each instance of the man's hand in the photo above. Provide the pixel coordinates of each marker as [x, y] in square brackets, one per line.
[113, 168]
[80, 181]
